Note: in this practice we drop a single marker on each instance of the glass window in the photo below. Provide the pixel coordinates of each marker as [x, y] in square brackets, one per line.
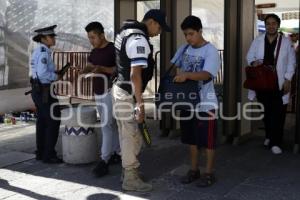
[211, 14]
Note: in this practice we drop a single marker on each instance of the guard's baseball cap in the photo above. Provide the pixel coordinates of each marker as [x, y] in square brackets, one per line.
[158, 16]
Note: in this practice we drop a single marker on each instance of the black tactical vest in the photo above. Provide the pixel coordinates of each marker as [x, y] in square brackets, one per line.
[131, 27]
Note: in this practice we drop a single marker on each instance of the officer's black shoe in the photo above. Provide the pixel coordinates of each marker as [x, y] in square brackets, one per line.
[101, 169]
[38, 155]
[115, 159]
[54, 160]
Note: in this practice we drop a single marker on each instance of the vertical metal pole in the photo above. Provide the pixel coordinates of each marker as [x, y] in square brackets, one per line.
[231, 42]
[166, 51]
[155, 71]
[297, 129]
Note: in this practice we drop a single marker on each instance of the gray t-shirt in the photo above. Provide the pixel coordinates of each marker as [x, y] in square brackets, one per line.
[205, 58]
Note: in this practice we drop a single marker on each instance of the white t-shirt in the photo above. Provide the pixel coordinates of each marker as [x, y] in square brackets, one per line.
[205, 58]
[138, 50]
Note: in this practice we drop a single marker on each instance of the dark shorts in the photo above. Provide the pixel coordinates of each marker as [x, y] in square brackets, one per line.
[200, 132]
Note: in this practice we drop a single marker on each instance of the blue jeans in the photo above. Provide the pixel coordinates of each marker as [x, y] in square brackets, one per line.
[109, 129]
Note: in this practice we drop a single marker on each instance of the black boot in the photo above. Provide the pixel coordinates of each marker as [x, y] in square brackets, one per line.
[38, 155]
[101, 169]
[53, 160]
[115, 159]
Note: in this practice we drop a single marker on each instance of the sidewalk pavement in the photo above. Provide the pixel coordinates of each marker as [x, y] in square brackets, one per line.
[244, 172]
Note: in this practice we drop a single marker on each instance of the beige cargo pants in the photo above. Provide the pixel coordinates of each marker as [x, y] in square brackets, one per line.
[130, 138]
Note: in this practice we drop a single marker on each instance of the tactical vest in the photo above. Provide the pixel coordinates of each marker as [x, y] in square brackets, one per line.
[131, 27]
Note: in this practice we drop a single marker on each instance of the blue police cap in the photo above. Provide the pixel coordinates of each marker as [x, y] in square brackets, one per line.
[158, 16]
[43, 32]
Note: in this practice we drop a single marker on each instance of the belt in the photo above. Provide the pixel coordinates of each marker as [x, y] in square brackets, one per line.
[35, 81]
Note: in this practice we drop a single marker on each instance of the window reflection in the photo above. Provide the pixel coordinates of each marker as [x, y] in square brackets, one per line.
[211, 14]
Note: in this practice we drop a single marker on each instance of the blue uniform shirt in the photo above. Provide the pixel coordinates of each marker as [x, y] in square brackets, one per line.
[42, 66]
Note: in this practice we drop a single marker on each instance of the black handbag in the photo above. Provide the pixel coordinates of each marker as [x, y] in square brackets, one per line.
[181, 96]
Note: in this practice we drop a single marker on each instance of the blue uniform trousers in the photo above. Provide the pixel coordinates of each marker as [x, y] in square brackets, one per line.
[47, 128]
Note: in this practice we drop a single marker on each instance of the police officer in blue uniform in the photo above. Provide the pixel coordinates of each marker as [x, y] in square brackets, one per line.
[43, 74]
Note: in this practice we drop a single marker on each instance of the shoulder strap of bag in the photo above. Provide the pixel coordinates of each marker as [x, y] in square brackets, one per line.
[278, 49]
[173, 65]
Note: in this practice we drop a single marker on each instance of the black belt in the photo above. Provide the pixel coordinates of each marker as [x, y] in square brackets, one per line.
[35, 80]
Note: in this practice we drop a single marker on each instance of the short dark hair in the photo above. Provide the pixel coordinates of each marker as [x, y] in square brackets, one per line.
[277, 19]
[94, 26]
[192, 22]
[38, 38]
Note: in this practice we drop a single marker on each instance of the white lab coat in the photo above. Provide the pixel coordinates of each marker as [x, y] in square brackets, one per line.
[285, 65]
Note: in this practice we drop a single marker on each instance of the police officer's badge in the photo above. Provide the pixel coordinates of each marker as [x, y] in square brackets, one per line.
[44, 60]
[140, 49]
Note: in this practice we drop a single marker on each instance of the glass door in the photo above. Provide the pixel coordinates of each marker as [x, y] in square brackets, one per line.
[211, 14]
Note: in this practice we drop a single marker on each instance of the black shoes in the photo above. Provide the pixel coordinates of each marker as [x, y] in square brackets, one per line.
[115, 159]
[54, 160]
[206, 180]
[101, 169]
[38, 155]
[190, 177]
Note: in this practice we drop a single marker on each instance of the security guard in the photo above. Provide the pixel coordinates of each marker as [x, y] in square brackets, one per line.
[43, 74]
[134, 69]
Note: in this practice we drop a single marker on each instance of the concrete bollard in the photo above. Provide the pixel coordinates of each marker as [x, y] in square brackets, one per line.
[79, 141]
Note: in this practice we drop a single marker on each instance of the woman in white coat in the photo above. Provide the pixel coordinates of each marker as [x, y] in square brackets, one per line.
[263, 50]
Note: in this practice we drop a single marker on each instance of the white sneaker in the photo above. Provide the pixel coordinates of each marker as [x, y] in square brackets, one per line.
[276, 150]
[266, 142]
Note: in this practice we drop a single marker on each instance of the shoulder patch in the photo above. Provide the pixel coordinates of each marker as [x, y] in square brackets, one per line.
[44, 60]
[140, 49]
[43, 49]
